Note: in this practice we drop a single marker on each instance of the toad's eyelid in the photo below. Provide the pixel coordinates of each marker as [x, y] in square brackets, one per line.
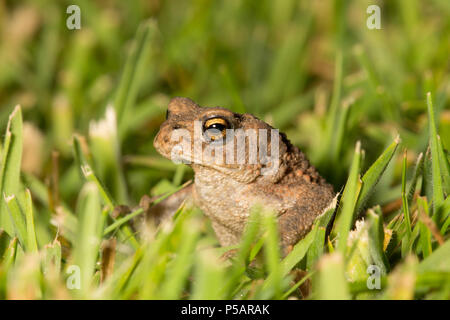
[216, 120]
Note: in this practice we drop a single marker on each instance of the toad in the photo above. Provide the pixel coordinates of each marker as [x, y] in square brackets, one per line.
[240, 161]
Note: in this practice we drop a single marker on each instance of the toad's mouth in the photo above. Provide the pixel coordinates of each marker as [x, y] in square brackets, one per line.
[242, 162]
[179, 155]
[243, 173]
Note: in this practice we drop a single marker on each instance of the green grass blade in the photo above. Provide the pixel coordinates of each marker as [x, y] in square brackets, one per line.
[232, 88]
[438, 191]
[376, 240]
[317, 247]
[405, 207]
[130, 80]
[52, 258]
[444, 166]
[119, 222]
[339, 135]
[425, 233]
[18, 220]
[31, 231]
[245, 247]
[272, 254]
[106, 153]
[86, 247]
[446, 210]
[401, 282]
[345, 216]
[330, 283]
[210, 278]
[333, 112]
[78, 154]
[91, 177]
[10, 167]
[417, 172]
[179, 271]
[298, 252]
[374, 173]
[438, 261]
[10, 254]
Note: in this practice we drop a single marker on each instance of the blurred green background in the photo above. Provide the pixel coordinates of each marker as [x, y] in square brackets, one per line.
[277, 60]
[313, 69]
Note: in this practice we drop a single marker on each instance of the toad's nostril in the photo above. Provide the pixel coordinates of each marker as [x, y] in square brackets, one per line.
[176, 126]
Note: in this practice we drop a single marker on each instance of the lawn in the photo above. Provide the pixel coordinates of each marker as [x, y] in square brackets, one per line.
[79, 109]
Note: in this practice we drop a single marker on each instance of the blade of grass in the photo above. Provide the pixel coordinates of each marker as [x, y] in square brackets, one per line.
[272, 254]
[119, 222]
[376, 84]
[374, 173]
[31, 232]
[405, 206]
[90, 176]
[349, 197]
[438, 261]
[444, 166]
[18, 220]
[10, 254]
[333, 114]
[438, 192]
[52, 258]
[417, 172]
[10, 166]
[425, 234]
[376, 240]
[301, 248]
[104, 146]
[446, 207]
[231, 86]
[177, 274]
[86, 247]
[298, 284]
[128, 87]
[330, 283]
[210, 276]
[239, 266]
[427, 177]
[317, 247]
[402, 281]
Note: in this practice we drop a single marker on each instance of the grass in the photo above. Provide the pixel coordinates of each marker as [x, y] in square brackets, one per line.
[79, 110]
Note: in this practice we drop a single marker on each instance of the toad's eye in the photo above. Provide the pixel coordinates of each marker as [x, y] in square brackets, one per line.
[167, 114]
[215, 128]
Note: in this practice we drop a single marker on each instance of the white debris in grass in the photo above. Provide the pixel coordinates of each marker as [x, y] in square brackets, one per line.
[105, 128]
[359, 233]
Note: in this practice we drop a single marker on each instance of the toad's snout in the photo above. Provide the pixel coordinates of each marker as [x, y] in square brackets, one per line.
[162, 140]
[172, 135]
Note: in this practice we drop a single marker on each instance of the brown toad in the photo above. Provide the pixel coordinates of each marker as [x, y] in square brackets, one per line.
[240, 161]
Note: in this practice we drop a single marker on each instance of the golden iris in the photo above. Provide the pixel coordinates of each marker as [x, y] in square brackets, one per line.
[215, 128]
